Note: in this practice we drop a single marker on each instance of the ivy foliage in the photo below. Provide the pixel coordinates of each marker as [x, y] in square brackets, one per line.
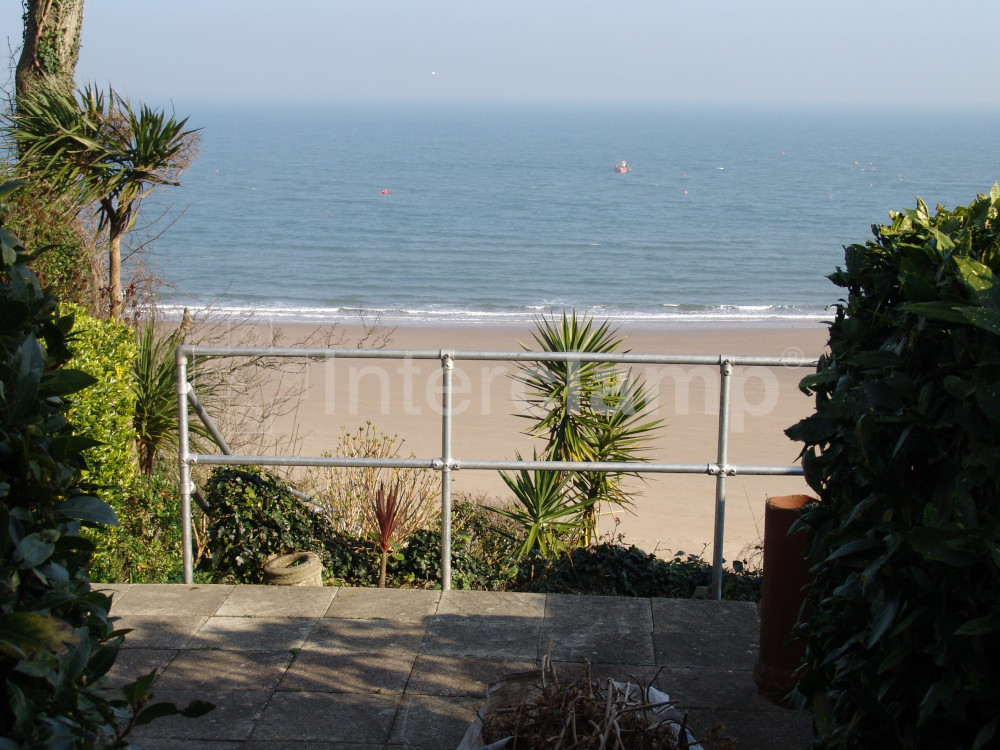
[903, 626]
[62, 257]
[254, 517]
[56, 642]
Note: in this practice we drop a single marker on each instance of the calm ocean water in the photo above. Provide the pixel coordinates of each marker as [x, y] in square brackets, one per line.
[494, 214]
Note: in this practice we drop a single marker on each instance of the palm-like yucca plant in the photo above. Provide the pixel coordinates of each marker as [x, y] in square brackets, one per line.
[586, 411]
[544, 510]
[619, 430]
[155, 384]
[97, 149]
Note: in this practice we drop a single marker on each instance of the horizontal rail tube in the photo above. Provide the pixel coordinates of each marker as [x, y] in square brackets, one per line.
[526, 356]
[438, 464]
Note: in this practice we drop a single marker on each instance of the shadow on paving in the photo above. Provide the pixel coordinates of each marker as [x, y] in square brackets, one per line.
[368, 668]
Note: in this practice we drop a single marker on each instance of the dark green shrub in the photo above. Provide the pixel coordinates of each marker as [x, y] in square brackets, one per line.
[904, 614]
[481, 558]
[63, 267]
[56, 644]
[254, 517]
[616, 570]
[352, 561]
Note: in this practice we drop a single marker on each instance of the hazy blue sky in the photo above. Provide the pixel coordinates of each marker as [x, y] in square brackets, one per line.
[724, 51]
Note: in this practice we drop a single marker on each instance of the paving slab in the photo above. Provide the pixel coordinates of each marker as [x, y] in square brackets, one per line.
[492, 604]
[328, 717]
[427, 721]
[341, 671]
[598, 629]
[501, 637]
[224, 670]
[172, 599]
[446, 675]
[365, 636]
[158, 631]
[688, 634]
[114, 590]
[766, 730]
[406, 605]
[236, 714]
[278, 601]
[151, 744]
[709, 688]
[305, 745]
[252, 633]
[133, 663]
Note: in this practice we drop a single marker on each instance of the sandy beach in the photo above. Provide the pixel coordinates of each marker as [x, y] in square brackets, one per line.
[671, 513]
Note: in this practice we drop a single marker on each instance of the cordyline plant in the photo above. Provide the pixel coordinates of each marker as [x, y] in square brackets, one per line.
[392, 512]
[902, 628]
[93, 148]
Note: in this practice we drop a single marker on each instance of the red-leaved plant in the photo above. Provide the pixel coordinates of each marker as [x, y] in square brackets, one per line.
[392, 509]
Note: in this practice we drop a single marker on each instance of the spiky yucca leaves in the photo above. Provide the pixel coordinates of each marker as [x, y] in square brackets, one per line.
[586, 411]
[545, 510]
[155, 384]
[97, 149]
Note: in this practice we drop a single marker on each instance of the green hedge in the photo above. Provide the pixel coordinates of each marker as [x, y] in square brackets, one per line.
[56, 641]
[902, 624]
[133, 551]
[105, 350]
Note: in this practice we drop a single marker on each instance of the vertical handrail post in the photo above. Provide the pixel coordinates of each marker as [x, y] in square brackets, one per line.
[183, 467]
[725, 389]
[447, 370]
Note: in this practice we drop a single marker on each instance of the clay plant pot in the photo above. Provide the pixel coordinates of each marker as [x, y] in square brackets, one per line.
[786, 577]
[295, 569]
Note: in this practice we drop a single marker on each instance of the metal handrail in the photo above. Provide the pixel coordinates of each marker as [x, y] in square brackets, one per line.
[446, 462]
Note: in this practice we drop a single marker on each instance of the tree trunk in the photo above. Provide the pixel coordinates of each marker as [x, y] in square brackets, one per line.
[383, 562]
[115, 296]
[51, 44]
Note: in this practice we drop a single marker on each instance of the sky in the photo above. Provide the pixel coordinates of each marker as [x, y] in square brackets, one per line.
[763, 52]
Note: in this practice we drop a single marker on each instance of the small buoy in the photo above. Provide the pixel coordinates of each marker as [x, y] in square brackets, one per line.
[385, 192]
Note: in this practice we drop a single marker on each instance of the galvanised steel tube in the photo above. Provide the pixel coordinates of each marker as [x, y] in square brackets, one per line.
[329, 461]
[183, 466]
[457, 464]
[725, 388]
[525, 356]
[207, 421]
[447, 371]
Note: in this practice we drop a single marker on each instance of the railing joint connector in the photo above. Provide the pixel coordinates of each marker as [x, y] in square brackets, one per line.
[182, 389]
[448, 359]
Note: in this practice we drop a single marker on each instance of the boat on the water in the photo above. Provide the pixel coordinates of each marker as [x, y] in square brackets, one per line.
[621, 167]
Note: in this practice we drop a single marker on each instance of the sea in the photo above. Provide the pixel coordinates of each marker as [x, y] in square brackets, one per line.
[493, 214]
